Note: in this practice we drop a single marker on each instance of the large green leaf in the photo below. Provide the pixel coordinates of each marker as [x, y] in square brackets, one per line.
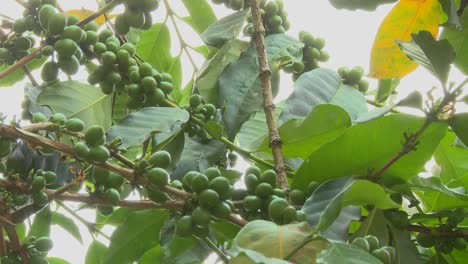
[224, 231]
[240, 88]
[459, 124]
[53, 260]
[302, 136]
[19, 75]
[198, 155]
[135, 236]
[225, 29]
[369, 146]
[435, 184]
[41, 223]
[339, 230]
[322, 86]
[154, 47]
[372, 225]
[201, 14]
[325, 204]
[135, 128]
[95, 253]
[152, 256]
[459, 40]
[346, 253]
[67, 224]
[208, 75]
[436, 56]
[78, 100]
[369, 5]
[406, 249]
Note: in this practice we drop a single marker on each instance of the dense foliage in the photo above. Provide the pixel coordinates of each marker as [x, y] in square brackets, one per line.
[155, 157]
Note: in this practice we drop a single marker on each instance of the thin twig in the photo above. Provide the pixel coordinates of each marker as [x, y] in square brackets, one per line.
[268, 105]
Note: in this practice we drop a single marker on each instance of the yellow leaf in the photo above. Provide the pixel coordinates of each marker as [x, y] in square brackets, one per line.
[407, 17]
[84, 13]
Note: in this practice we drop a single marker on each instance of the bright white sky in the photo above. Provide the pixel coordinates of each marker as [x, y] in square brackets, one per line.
[349, 38]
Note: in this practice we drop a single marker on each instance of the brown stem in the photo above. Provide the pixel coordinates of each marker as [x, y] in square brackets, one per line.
[16, 244]
[100, 12]
[430, 230]
[30, 76]
[268, 106]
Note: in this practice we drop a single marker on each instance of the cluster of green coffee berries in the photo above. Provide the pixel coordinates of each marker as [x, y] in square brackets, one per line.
[313, 53]
[93, 146]
[136, 15]
[38, 248]
[386, 254]
[39, 181]
[107, 185]
[202, 111]
[274, 17]
[354, 78]
[212, 201]
[13, 49]
[445, 244]
[233, 4]
[72, 124]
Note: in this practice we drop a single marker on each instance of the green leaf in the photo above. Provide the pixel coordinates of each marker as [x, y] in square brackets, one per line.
[41, 223]
[208, 75]
[435, 184]
[381, 139]
[254, 257]
[459, 41]
[339, 230]
[19, 75]
[182, 96]
[78, 100]
[201, 14]
[53, 260]
[138, 126]
[184, 250]
[436, 56]
[95, 253]
[119, 106]
[406, 249]
[368, 5]
[225, 29]
[224, 231]
[372, 225]
[276, 241]
[198, 155]
[346, 253]
[215, 129]
[302, 136]
[326, 202]
[450, 9]
[240, 87]
[358, 195]
[67, 224]
[21, 231]
[385, 89]
[135, 236]
[459, 124]
[152, 256]
[256, 127]
[322, 86]
[154, 47]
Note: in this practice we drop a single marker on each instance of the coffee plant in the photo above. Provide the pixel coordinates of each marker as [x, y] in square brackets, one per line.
[337, 171]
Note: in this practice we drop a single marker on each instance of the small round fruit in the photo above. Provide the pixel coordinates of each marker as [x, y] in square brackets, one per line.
[69, 65]
[74, 33]
[74, 125]
[92, 37]
[238, 194]
[324, 56]
[271, 8]
[263, 190]
[45, 13]
[50, 72]
[113, 196]
[312, 187]
[184, 226]
[100, 175]
[201, 217]
[301, 216]
[208, 198]
[383, 255]
[200, 183]
[318, 43]
[221, 185]
[146, 69]
[363, 85]
[460, 243]
[355, 75]
[20, 199]
[158, 177]
[19, 26]
[222, 210]
[121, 25]
[275, 209]
[161, 159]
[72, 20]
[81, 150]
[99, 154]
[134, 19]
[166, 87]
[373, 241]
[40, 198]
[362, 243]
[195, 100]
[298, 67]
[269, 176]
[236, 4]
[22, 44]
[94, 135]
[212, 172]
[105, 210]
[57, 23]
[38, 184]
[254, 170]
[157, 196]
[50, 177]
[58, 118]
[65, 47]
[38, 259]
[115, 181]
[297, 197]
[109, 58]
[252, 203]
[425, 240]
[289, 215]
[100, 48]
[39, 118]
[43, 244]
[251, 181]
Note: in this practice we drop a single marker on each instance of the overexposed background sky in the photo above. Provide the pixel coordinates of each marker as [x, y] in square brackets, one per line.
[349, 37]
